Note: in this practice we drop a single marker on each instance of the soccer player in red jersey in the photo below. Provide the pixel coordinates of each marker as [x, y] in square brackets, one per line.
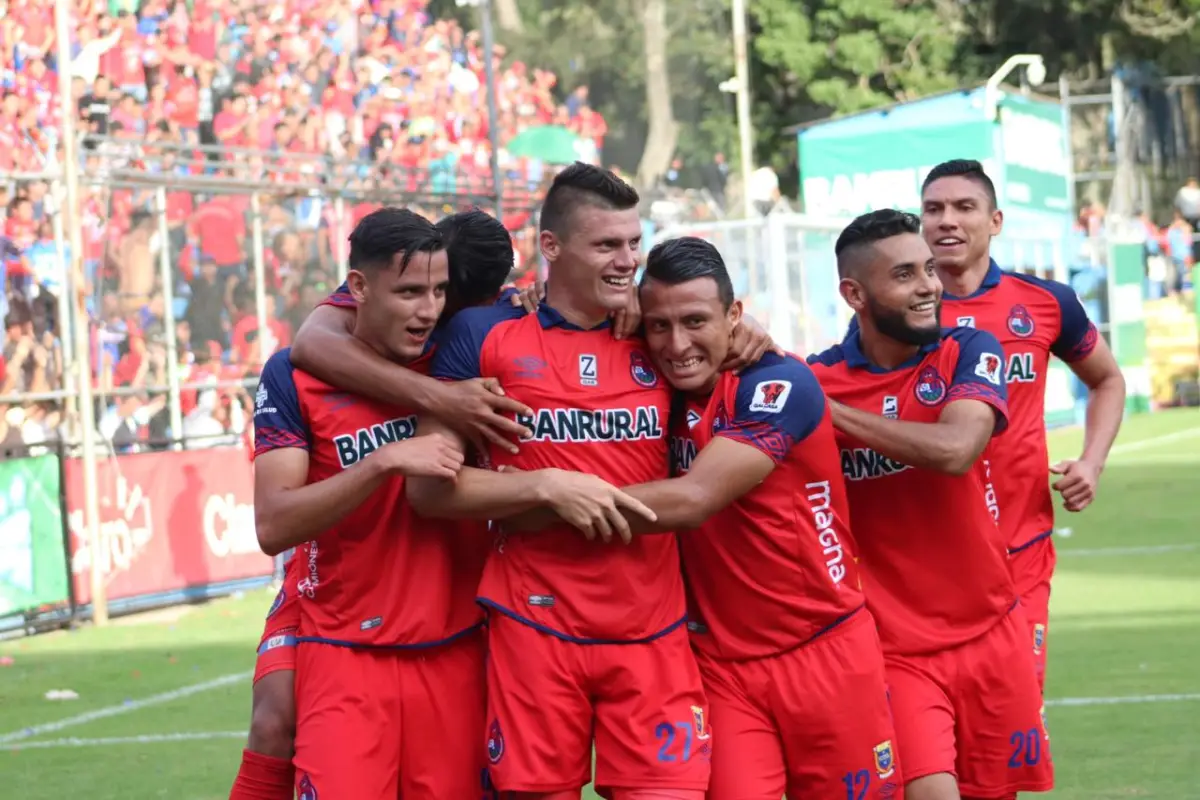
[325, 347]
[915, 406]
[586, 642]
[1033, 318]
[387, 616]
[789, 655]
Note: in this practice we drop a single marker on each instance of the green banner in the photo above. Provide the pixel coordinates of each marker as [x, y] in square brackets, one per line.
[1034, 149]
[850, 175]
[33, 564]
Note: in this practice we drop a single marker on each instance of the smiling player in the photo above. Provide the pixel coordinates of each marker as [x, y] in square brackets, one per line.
[790, 659]
[585, 641]
[915, 406]
[1033, 318]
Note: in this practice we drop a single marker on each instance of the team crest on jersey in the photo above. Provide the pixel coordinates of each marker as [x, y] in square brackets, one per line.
[989, 368]
[693, 418]
[1039, 638]
[698, 722]
[1020, 323]
[306, 790]
[277, 603]
[720, 419]
[495, 742]
[885, 761]
[640, 370]
[965, 322]
[891, 406]
[931, 387]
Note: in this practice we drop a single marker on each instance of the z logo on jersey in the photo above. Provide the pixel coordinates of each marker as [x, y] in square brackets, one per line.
[989, 368]
[770, 396]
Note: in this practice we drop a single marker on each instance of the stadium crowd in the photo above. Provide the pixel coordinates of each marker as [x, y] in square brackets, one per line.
[374, 99]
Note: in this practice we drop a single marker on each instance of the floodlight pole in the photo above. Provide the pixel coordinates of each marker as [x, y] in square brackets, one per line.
[87, 410]
[742, 97]
[489, 73]
[991, 93]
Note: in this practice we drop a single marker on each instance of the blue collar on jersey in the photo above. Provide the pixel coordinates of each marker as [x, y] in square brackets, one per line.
[990, 281]
[552, 319]
[857, 359]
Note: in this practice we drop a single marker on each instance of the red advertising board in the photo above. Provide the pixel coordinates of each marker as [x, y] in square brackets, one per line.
[168, 521]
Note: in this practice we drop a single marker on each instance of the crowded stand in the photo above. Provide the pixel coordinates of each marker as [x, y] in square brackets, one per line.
[326, 110]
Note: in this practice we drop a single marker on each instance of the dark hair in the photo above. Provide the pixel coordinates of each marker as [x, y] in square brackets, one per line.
[872, 227]
[583, 184]
[388, 232]
[967, 168]
[689, 258]
[481, 257]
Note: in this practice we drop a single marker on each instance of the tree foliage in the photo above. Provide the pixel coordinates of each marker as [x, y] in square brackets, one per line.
[813, 58]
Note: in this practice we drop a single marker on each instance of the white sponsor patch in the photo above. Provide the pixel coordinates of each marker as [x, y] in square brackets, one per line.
[771, 396]
[990, 368]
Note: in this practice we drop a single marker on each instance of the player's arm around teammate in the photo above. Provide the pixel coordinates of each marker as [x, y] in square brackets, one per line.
[326, 348]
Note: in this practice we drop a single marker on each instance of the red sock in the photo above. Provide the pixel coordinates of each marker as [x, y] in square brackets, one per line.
[263, 778]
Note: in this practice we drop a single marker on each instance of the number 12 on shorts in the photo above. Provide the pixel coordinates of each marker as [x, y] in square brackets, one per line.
[857, 784]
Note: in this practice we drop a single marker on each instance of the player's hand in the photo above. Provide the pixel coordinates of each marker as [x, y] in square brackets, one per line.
[592, 505]
[1077, 484]
[626, 321]
[530, 297]
[750, 343]
[433, 456]
[479, 410]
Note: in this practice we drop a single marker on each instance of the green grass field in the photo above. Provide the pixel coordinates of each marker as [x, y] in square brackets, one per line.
[164, 698]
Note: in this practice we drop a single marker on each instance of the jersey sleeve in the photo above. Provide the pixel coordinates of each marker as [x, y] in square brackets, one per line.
[1077, 336]
[979, 373]
[341, 298]
[459, 346]
[778, 404]
[278, 420]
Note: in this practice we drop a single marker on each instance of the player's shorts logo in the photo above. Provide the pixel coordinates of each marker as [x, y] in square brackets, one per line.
[1039, 638]
[277, 603]
[640, 370]
[698, 722]
[885, 762]
[931, 387]
[495, 742]
[1020, 322]
[305, 790]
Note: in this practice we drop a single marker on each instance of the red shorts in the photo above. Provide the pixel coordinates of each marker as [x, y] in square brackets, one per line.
[811, 722]
[1032, 569]
[372, 723]
[548, 697]
[277, 647]
[974, 711]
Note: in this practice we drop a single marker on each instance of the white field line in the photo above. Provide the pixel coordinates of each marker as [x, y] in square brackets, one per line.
[1154, 441]
[123, 708]
[1148, 550]
[154, 738]
[163, 738]
[1075, 702]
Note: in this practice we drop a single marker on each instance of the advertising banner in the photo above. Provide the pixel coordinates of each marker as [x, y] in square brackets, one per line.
[168, 521]
[33, 566]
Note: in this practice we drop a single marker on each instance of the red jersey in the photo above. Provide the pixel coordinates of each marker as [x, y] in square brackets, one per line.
[934, 566]
[382, 576]
[777, 566]
[1033, 318]
[599, 407]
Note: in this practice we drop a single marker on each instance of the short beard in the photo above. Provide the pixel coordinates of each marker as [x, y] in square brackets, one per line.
[891, 324]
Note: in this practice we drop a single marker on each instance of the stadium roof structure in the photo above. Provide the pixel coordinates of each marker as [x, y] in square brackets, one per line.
[948, 97]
